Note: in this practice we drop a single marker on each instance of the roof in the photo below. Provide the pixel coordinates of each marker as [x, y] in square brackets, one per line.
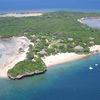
[80, 48]
[42, 52]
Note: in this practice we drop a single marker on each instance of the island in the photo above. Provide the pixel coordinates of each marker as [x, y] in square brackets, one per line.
[31, 44]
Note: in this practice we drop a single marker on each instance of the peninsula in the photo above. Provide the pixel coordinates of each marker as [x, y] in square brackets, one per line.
[31, 44]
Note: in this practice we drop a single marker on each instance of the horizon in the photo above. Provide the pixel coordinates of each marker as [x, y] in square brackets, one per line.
[70, 5]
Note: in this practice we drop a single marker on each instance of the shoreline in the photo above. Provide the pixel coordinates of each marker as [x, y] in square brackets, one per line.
[49, 61]
[46, 10]
[21, 14]
[86, 18]
[62, 57]
[14, 56]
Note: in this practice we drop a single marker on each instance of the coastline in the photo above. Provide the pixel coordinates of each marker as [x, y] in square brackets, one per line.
[14, 56]
[48, 60]
[67, 57]
[62, 58]
[21, 14]
[86, 18]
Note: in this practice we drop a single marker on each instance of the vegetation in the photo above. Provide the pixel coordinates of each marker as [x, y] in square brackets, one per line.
[26, 66]
[51, 33]
[58, 24]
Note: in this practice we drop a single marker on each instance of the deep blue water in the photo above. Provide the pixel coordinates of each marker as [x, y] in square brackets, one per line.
[70, 5]
[68, 81]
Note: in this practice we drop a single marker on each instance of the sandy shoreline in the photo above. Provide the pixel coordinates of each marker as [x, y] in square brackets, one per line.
[81, 20]
[62, 58]
[21, 14]
[67, 57]
[14, 56]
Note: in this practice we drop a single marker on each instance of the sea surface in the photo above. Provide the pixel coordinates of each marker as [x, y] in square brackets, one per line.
[49, 5]
[68, 81]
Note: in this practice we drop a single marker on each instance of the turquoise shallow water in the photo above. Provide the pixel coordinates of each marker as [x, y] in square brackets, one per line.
[68, 81]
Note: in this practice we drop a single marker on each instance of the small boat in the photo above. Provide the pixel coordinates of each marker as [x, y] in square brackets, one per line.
[96, 64]
[90, 68]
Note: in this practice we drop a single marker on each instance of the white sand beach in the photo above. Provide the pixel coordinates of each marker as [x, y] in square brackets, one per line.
[66, 57]
[21, 14]
[95, 48]
[61, 58]
[13, 55]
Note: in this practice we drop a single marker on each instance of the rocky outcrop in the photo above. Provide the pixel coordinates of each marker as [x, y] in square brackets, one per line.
[27, 74]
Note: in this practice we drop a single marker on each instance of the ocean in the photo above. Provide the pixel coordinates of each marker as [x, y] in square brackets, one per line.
[49, 5]
[69, 81]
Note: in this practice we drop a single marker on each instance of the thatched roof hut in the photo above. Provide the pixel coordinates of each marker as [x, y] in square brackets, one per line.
[78, 48]
[42, 52]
